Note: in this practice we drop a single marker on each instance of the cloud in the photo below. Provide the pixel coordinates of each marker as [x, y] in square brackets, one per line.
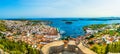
[63, 8]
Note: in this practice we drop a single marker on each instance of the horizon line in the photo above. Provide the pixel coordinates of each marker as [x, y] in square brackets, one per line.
[63, 17]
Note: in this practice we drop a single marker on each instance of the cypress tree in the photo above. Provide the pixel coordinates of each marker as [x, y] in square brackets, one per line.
[107, 49]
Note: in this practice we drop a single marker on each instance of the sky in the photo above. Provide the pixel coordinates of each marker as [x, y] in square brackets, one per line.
[59, 8]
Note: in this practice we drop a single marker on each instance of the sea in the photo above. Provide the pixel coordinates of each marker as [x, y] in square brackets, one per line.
[73, 27]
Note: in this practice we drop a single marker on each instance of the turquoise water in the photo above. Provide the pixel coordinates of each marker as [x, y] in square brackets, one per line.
[76, 27]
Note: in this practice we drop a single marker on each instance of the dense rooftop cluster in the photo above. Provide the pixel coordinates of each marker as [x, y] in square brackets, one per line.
[34, 33]
[102, 36]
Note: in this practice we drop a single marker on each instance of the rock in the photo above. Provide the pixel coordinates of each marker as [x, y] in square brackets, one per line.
[1, 51]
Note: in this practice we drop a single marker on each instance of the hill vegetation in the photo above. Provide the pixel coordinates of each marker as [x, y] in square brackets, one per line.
[17, 47]
[2, 26]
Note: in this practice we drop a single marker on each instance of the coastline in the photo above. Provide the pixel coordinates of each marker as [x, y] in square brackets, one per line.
[76, 28]
[39, 34]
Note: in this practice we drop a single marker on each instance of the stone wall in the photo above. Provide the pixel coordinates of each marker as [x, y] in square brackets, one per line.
[1, 51]
[57, 47]
[61, 49]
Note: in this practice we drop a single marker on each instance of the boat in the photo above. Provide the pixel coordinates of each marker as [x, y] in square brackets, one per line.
[62, 32]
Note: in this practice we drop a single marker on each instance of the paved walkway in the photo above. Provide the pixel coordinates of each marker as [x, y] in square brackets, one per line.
[85, 50]
[45, 49]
